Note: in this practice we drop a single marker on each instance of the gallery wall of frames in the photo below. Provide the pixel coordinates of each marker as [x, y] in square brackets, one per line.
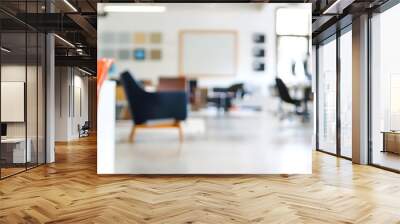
[22, 76]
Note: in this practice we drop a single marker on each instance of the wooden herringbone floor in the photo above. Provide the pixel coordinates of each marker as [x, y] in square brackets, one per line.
[69, 191]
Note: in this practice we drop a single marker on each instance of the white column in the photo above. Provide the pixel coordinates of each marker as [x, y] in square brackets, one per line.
[106, 129]
[360, 90]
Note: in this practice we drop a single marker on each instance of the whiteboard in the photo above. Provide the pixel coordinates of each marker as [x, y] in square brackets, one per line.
[208, 53]
[12, 101]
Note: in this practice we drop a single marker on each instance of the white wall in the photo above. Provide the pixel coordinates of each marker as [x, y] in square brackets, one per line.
[247, 19]
[68, 82]
[61, 103]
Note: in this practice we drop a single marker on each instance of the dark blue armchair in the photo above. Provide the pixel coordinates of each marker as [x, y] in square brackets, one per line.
[146, 106]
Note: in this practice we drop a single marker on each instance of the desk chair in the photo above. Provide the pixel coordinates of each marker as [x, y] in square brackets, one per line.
[222, 97]
[284, 95]
[84, 129]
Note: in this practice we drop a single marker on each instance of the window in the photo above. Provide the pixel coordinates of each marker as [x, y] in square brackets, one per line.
[293, 34]
[293, 22]
[346, 94]
[293, 51]
[385, 89]
[327, 96]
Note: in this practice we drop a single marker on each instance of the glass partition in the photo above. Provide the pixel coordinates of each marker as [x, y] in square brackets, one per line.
[22, 67]
[327, 96]
[14, 153]
[385, 89]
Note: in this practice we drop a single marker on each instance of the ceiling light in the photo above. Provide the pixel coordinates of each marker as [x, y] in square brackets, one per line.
[5, 50]
[70, 5]
[84, 71]
[337, 7]
[64, 40]
[134, 8]
[326, 11]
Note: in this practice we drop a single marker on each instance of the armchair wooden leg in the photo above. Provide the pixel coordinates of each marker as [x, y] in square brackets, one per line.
[179, 126]
[132, 134]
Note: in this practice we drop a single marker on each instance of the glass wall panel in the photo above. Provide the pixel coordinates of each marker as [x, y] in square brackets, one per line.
[346, 94]
[14, 153]
[32, 86]
[22, 66]
[327, 96]
[385, 84]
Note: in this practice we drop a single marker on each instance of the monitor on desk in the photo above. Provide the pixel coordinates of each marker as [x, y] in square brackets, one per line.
[3, 130]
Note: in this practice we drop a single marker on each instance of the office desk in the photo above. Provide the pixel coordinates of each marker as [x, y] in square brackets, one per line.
[13, 150]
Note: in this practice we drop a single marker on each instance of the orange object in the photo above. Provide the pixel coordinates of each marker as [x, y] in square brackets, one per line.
[103, 67]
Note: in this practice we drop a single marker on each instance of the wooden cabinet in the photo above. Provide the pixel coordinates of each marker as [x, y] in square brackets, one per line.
[391, 142]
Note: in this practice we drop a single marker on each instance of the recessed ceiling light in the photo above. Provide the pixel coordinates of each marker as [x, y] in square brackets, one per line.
[134, 8]
[70, 5]
[65, 41]
[5, 50]
[337, 7]
[84, 71]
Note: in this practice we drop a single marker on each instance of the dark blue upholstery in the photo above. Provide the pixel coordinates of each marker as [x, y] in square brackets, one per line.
[147, 106]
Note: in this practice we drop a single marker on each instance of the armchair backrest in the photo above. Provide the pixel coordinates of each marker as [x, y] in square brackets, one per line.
[135, 94]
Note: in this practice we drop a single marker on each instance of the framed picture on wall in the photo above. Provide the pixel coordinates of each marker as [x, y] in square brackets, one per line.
[139, 54]
[258, 52]
[259, 38]
[259, 66]
[155, 54]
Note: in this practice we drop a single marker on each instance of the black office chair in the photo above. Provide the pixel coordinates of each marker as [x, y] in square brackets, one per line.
[222, 96]
[84, 129]
[284, 95]
[235, 90]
